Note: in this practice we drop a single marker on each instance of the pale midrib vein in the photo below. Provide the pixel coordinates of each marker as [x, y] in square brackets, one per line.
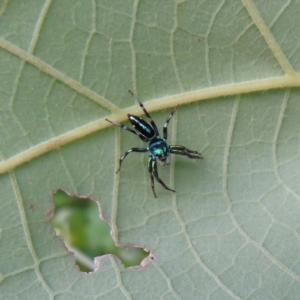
[44, 67]
[50, 145]
[155, 105]
[268, 36]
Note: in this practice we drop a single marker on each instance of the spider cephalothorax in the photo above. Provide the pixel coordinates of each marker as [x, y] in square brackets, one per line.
[158, 149]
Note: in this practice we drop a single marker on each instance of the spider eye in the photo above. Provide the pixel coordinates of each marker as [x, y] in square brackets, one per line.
[164, 160]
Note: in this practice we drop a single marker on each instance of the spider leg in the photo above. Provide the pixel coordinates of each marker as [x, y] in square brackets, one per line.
[146, 113]
[176, 149]
[167, 123]
[128, 129]
[129, 151]
[150, 160]
[155, 173]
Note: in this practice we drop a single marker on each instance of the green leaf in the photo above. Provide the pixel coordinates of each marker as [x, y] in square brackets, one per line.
[231, 230]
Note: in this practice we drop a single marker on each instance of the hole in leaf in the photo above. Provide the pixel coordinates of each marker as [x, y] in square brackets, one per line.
[86, 235]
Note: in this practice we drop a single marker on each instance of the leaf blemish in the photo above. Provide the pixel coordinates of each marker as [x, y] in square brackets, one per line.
[85, 233]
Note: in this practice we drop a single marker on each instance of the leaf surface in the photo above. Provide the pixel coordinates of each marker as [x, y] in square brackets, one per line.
[231, 230]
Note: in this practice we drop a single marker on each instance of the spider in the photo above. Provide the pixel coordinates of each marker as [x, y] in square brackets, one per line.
[158, 148]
